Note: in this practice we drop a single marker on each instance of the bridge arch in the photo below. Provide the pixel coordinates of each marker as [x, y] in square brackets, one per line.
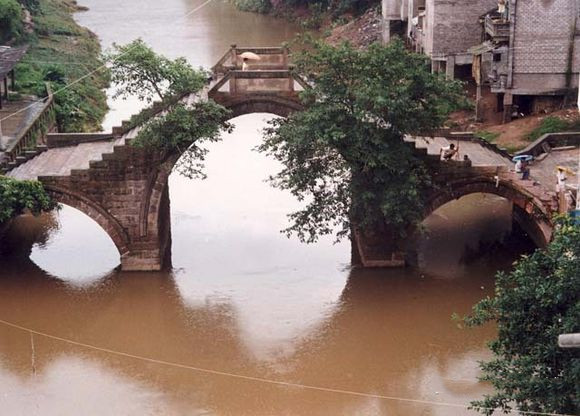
[95, 211]
[529, 211]
[276, 104]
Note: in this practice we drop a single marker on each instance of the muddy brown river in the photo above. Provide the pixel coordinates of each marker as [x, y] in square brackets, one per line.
[247, 322]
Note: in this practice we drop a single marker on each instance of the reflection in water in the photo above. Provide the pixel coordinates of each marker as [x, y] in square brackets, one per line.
[389, 333]
[242, 298]
[227, 248]
[246, 300]
[69, 253]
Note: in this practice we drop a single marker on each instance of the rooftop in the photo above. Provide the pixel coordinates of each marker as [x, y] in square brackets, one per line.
[9, 57]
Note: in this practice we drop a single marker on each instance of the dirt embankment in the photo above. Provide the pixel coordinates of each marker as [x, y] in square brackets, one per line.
[360, 32]
[513, 135]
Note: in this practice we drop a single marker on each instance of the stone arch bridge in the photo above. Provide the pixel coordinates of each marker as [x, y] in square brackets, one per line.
[125, 189]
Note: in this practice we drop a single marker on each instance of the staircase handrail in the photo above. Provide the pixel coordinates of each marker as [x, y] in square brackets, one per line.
[27, 136]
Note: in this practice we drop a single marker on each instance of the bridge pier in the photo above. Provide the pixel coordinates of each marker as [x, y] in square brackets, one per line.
[127, 194]
[152, 252]
[378, 247]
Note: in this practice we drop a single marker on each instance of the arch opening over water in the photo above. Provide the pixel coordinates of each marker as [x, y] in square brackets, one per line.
[67, 244]
[475, 228]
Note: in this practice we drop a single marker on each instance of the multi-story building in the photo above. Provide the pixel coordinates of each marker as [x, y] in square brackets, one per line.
[442, 29]
[525, 52]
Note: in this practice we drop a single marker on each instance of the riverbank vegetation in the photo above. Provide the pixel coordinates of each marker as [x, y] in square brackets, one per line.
[532, 305]
[17, 197]
[344, 154]
[63, 54]
[170, 126]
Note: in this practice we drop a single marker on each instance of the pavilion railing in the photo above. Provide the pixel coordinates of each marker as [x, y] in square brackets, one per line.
[234, 77]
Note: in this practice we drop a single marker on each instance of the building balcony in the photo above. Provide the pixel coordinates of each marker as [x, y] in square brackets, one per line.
[497, 28]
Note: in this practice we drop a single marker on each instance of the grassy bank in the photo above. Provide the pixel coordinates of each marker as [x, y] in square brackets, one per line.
[61, 52]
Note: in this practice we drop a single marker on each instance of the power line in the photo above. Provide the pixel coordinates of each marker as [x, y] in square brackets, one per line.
[260, 379]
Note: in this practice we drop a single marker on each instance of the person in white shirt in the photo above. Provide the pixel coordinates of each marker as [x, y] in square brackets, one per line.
[449, 151]
[561, 180]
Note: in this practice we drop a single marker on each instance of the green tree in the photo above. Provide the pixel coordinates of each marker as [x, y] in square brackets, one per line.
[17, 197]
[532, 305]
[344, 154]
[138, 71]
[10, 20]
[185, 129]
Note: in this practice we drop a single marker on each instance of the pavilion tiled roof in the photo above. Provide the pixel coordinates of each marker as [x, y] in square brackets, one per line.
[9, 57]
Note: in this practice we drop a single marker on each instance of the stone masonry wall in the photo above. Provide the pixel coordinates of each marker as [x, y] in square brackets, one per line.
[119, 193]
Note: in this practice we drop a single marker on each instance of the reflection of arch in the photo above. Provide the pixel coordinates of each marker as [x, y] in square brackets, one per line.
[530, 211]
[279, 105]
[94, 211]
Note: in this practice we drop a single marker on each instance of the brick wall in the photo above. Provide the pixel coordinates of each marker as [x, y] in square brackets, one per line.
[453, 25]
[543, 32]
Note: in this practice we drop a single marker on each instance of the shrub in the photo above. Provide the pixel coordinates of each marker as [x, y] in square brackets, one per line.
[17, 197]
[532, 305]
[10, 20]
[553, 124]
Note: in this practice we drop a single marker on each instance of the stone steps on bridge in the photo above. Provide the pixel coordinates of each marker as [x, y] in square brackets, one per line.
[479, 154]
[62, 161]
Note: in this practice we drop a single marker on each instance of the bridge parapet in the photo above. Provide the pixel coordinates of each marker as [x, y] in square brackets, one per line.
[549, 141]
[271, 58]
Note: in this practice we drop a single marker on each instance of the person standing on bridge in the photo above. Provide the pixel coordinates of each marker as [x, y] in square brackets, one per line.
[247, 57]
[561, 178]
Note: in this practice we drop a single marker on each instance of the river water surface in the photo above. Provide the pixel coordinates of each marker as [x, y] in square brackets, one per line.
[241, 299]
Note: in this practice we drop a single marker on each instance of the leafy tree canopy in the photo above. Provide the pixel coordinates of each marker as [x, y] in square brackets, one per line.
[533, 304]
[18, 196]
[10, 20]
[138, 71]
[185, 129]
[344, 154]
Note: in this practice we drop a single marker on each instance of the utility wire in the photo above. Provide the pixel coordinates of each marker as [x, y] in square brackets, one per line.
[261, 379]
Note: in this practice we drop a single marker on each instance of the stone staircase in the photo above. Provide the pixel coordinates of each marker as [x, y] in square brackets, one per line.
[74, 159]
[62, 161]
[480, 153]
